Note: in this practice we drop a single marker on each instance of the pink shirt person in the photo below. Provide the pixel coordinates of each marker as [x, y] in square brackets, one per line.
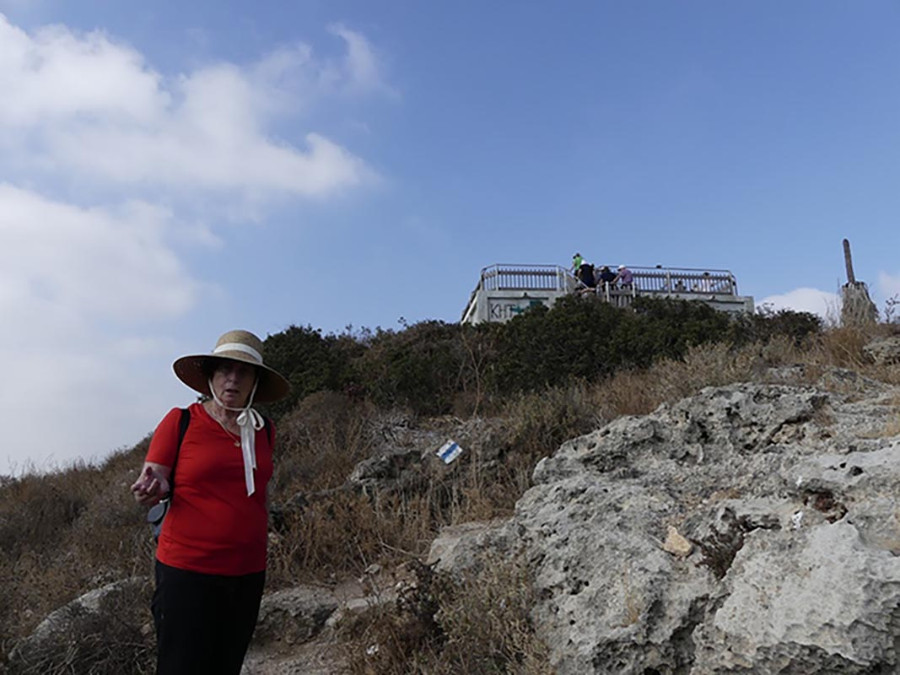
[624, 277]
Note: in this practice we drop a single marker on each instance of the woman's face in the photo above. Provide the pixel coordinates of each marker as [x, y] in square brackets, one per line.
[232, 382]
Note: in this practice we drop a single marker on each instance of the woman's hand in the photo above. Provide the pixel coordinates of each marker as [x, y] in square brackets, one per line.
[152, 485]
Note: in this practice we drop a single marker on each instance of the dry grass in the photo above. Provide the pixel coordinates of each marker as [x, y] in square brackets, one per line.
[61, 535]
[539, 423]
[339, 532]
[321, 441]
[344, 534]
[843, 347]
[443, 626]
[641, 392]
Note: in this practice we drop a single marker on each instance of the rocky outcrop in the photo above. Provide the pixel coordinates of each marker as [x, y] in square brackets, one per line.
[749, 529]
[67, 635]
[884, 351]
[292, 616]
[403, 456]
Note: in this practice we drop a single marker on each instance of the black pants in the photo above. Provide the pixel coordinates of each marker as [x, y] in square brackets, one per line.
[204, 622]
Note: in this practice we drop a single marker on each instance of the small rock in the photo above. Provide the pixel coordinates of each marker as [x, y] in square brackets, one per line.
[676, 544]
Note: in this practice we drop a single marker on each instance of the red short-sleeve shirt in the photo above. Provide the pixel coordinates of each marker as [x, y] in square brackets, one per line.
[212, 525]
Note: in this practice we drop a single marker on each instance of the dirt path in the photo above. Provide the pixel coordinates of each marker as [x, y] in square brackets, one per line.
[324, 654]
[320, 656]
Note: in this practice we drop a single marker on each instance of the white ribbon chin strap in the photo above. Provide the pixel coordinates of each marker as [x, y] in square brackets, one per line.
[249, 422]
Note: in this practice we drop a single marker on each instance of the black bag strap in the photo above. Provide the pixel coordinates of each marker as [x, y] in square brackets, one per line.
[157, 512]
[182, 430]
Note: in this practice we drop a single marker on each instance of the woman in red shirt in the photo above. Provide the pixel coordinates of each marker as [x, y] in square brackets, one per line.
[211, 554]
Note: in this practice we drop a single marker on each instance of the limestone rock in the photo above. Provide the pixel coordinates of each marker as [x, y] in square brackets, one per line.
[815, 601]
[293, 615]
[459, 548]
[396, 469]
[785, 497]
[884, 351]
[80, 622]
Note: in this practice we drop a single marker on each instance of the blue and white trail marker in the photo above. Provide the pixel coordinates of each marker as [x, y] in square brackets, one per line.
[449, 451]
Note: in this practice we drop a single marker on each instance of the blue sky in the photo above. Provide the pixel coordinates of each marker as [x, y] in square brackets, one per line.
[175, 170]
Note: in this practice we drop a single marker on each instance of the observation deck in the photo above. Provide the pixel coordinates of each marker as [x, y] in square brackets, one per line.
[504, 291]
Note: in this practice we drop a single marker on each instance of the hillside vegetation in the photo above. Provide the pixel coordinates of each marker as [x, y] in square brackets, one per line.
[547, 376]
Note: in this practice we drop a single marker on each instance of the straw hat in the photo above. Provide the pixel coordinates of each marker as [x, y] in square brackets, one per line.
[237, 345]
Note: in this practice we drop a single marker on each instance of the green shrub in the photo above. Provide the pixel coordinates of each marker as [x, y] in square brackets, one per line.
[542, 348]
[434, 368]
[310, 362]
[766, 324]
[420, 368]
[581, 338]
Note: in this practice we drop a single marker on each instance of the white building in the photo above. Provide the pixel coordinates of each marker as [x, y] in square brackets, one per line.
[503, 291]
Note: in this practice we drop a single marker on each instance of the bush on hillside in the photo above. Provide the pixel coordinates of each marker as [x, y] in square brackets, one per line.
[36, 511]
[580, 338]
[310, 362]
[421, 368]
[766, 324]
[433, 368]
[660, 328]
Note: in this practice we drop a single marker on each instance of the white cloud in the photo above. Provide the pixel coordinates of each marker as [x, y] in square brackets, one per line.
[888, 285]
[88, 263]
[74, 282]
[82, 103]
[89, 291]
[55, 75]
[361, 67]
[77, 400]
[826, 305]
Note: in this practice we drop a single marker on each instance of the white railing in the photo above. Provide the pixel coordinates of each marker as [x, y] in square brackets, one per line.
[526, 278]
[683, 280]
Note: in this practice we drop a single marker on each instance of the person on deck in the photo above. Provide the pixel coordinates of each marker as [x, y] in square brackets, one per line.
[211, 553]
[624, 278]
[577, 260]
[586, 275]
[607, 276]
